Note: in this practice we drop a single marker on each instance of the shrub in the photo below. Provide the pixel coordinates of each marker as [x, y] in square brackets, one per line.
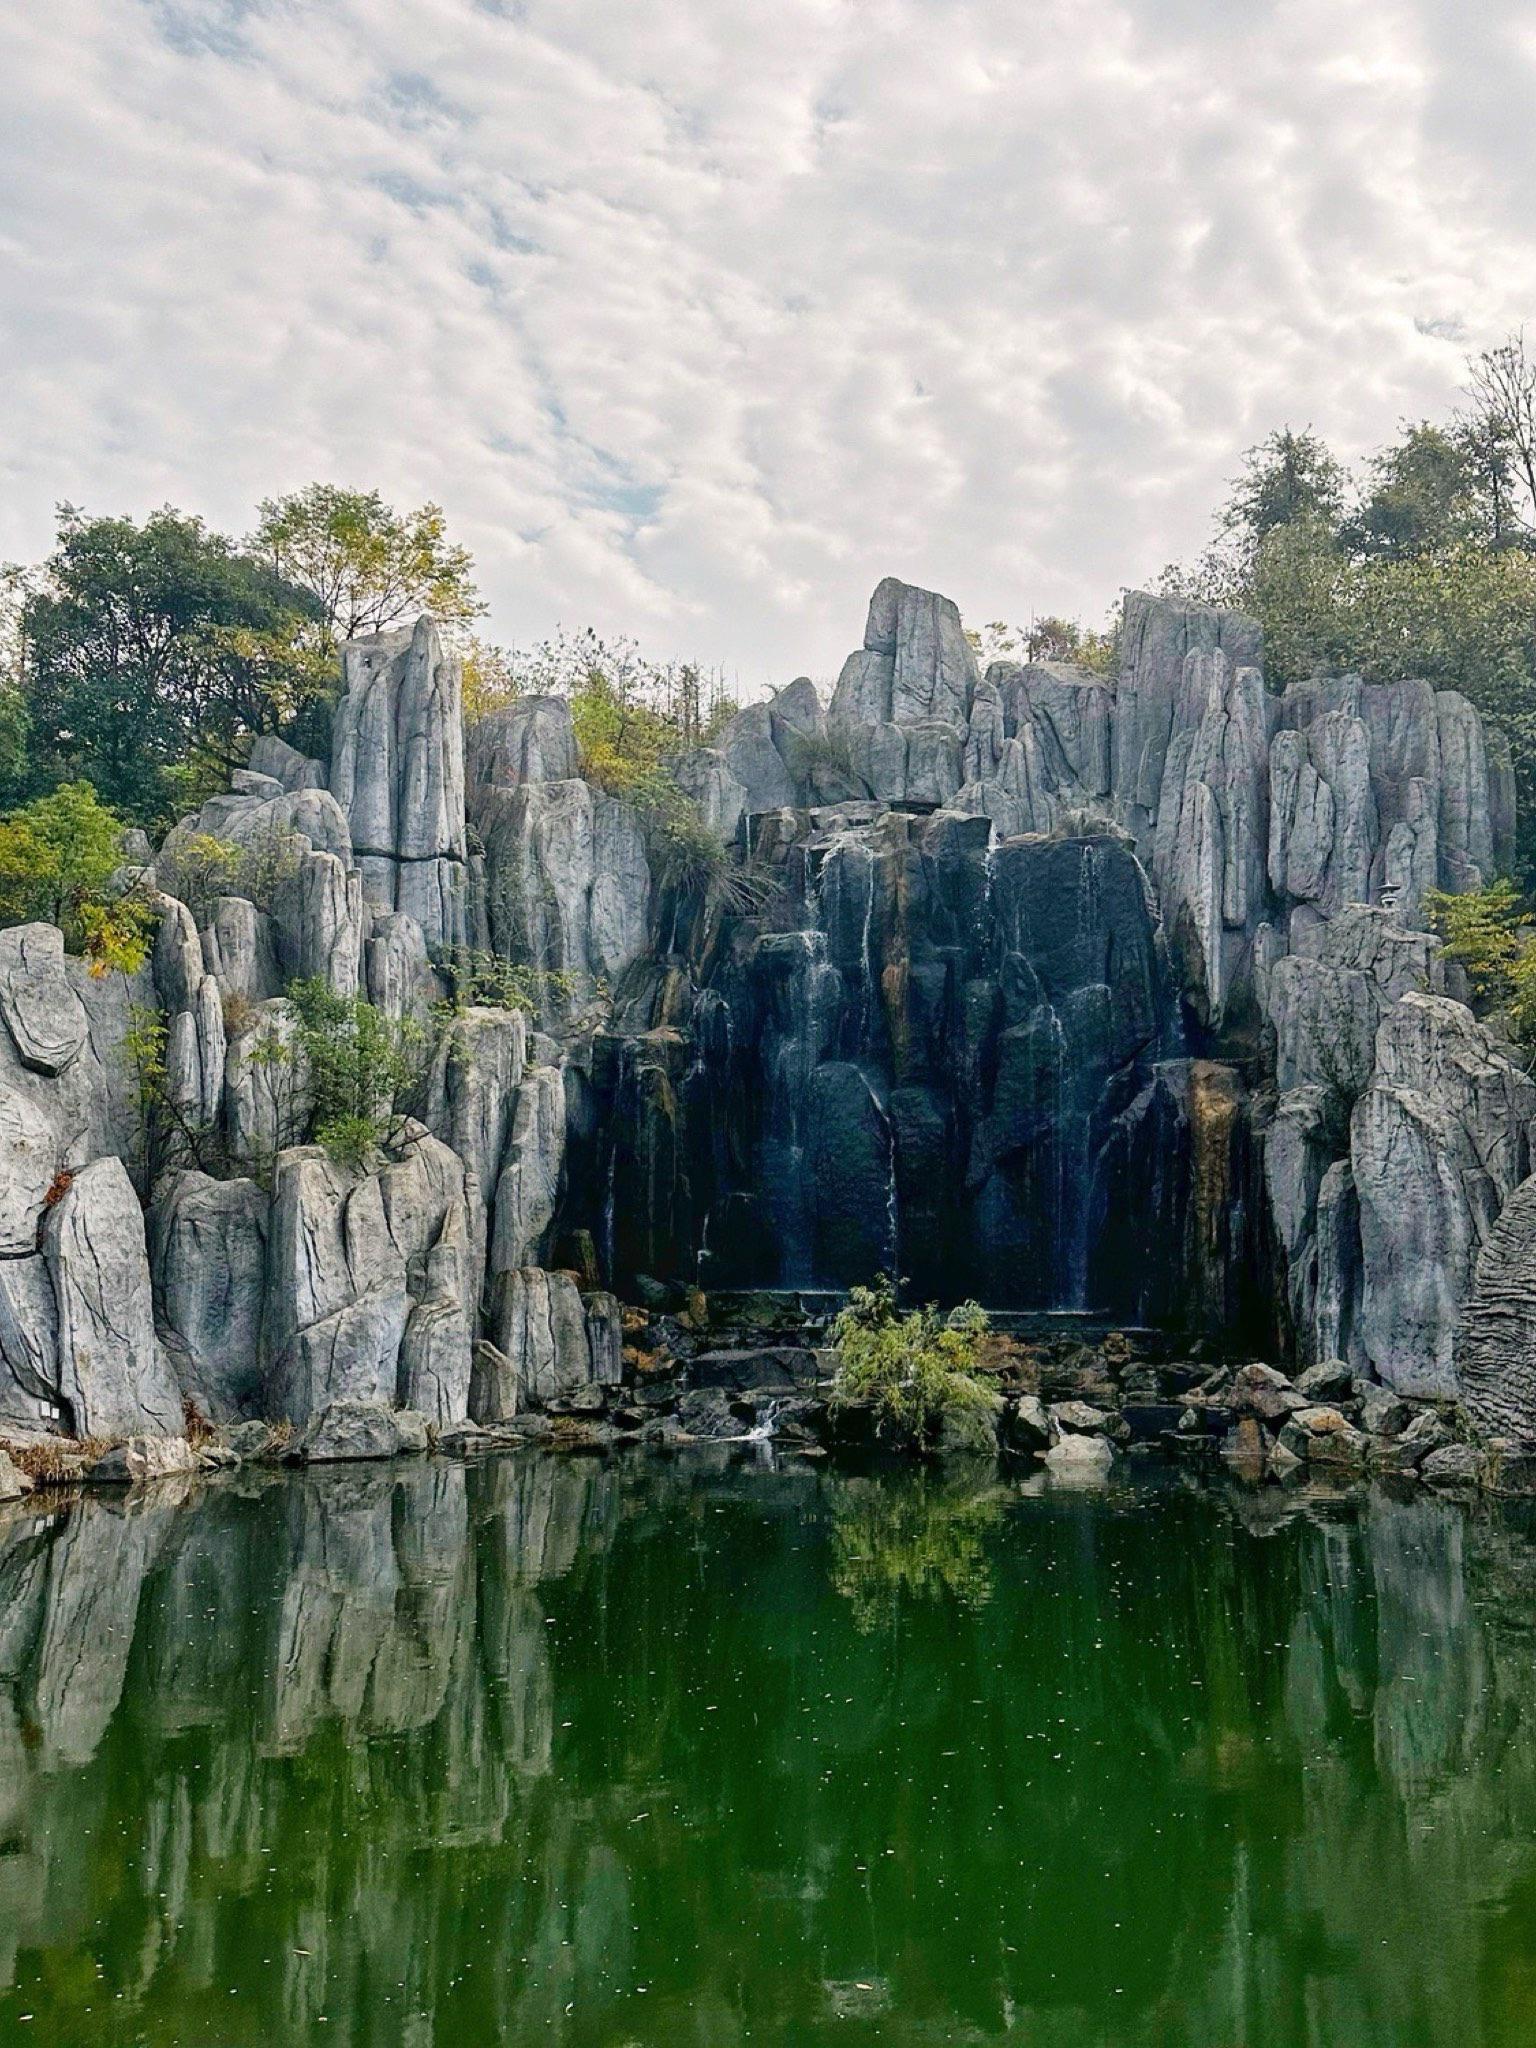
[58, 857]
[1490, 934]
[197, 868]
[477, 977]
[909, 1368]
[360, 1064]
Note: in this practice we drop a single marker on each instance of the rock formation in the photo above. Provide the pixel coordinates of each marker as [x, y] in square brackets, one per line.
[1070, 992]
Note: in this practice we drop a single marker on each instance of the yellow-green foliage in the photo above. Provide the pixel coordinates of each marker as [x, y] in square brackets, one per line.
[59, 855]
[908, 1367]
[1490, 934]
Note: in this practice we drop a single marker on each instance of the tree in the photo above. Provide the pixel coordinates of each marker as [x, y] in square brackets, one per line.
[58, 854]
[909, 1368]
[1430, 576]
[1288, 478]
[1502, 387]
[153, 653]
[491, 678]
[1050, 638]
[1489, 934]
[1421, 494]
[365, 566]
[358, 1063]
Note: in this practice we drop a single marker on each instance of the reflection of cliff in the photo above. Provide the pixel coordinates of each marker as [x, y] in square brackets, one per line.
[453, 1756]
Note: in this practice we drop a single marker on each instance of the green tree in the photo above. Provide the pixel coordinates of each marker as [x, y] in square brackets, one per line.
[1490, 935]
[365, 566]
[1429, 577]
[1502, 390]
[1288, 478]
[360, 1063]
[58, 854]
[1420, 495]
[153, 653]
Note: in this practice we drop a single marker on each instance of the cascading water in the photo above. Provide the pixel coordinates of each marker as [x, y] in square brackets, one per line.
[937, 1056]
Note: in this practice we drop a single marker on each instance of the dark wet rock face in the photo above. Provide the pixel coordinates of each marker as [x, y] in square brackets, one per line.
[962, 1061]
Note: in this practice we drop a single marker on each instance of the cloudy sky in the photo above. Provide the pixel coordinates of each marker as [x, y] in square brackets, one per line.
[699, 316]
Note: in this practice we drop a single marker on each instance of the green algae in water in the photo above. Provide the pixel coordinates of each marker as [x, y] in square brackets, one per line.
[643, 1753]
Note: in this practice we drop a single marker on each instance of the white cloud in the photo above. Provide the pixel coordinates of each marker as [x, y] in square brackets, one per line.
[700, 317]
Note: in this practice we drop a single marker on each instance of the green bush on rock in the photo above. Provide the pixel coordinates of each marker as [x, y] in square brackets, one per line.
[360, 1064]
[915, 1371]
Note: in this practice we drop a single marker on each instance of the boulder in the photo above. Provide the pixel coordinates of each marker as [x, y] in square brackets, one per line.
[266, 1084]
[29, 1159]
[1382, 1412]
[1406, 1451]
[286, 765]
[336, 1289]
[319, 918]
[530, 740]
[114, 1377]
[352, 1429]
[1328, 1381]
[208, 1253]
[705, 775]
[916, 662]
[1454, 1466]
[1081, 1418]
[1080, 1457]
[397, 968]
[557, 1342]
[44, 1016]
[1262, 1391]
[240, 950]
[1438, 1142]
[29, 1345]
[528, 1187]
[969, 1428]
[1322, 1436]
[144, 1458]
[14, 1483]
[567, 882]
[397, 770]
[1026, 1425]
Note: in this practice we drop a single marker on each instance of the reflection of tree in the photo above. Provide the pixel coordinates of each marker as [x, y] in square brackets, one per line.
[913, 1535]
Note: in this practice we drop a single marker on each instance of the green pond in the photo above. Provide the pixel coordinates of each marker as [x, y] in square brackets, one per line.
[715, 1750]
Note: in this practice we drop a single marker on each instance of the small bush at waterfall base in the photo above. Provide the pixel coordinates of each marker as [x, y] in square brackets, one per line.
[909, 1368]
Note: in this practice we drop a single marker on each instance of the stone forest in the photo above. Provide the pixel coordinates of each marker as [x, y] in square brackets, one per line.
[1107, 1004]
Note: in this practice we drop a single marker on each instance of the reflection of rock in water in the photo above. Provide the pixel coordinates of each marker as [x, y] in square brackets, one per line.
[486, 1745]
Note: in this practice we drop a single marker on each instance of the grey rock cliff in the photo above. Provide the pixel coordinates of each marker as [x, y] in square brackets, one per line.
[397, 770]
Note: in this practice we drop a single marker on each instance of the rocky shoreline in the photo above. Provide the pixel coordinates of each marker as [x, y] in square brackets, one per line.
[757, 1369]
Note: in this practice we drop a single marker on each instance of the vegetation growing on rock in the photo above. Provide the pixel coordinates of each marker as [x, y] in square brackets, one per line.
[910, 1368]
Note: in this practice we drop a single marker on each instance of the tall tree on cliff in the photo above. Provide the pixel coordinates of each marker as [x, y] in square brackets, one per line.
[366, 566]
[1424, 567]
[150, 653]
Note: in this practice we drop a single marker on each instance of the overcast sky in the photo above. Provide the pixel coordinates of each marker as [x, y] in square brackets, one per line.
[699, 316]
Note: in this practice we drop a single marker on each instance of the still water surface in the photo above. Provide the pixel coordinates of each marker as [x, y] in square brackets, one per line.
[697, 1753]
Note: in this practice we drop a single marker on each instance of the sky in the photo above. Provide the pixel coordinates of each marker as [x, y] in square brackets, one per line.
[700, 316]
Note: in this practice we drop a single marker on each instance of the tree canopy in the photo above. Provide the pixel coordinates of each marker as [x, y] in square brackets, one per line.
[1421, 566]
[365, 566]
[144, 656]
[151, 653]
